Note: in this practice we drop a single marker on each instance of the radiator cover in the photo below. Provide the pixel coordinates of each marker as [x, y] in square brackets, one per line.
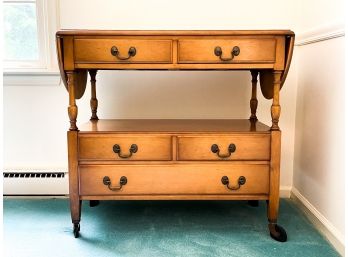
[35, 182]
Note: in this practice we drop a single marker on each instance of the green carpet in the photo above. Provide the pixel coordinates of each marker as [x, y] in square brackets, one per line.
[42, 228]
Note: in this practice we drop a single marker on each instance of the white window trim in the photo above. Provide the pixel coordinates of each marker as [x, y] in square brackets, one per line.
[48, 14]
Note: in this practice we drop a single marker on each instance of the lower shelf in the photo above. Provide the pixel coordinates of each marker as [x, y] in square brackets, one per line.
[174, 126]
[175, 197]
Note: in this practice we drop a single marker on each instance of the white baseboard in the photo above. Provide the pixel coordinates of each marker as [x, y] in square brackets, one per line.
[285, 192]
[320, 222]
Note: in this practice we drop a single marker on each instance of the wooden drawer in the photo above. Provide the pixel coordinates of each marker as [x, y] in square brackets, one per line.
[102, 147]
[246, 147]
[175, 179]
[99, 50]
[252, 50]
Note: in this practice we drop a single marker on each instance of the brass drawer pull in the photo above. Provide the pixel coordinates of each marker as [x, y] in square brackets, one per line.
[132, 149]
[107, 182]
[225, 181]
[231, 149]
[131, 52]
[235, 52]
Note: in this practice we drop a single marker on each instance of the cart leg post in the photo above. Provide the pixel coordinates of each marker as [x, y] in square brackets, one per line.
[75, 202]
[94, 100]
[72, 109]
[277, 232]
[253, 100]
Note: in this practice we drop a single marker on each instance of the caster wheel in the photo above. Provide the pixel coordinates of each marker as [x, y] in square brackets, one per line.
[93, 203]
[76, 230]
[278, 233]
[253, 203]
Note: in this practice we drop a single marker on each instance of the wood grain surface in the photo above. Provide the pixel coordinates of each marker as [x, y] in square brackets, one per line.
[173, 179]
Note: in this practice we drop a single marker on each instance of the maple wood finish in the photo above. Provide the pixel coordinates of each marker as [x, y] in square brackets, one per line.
[252, 50]
[98, 50]
[155, 126]
[100, 147]
[175, 159]
[247, 147]
[166, 179]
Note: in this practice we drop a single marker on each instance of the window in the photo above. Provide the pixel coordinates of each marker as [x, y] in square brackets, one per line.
[29, 28]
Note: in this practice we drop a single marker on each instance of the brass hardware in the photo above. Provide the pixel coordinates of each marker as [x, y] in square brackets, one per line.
[231, 149]
[132, 149]
[225, 181]
[235, 52]
[131, 52]
[107, 182]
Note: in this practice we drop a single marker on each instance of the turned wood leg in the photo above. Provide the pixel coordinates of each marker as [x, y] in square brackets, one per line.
[72, 109]
[75, 202]
[253, 100]
[94, 100]
[273, 202]
[277, 232]
[275, 109]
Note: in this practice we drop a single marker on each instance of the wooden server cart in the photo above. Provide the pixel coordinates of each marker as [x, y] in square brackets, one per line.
[175, 159]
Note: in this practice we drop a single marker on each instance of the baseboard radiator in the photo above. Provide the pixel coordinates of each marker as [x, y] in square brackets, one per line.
[35, 182]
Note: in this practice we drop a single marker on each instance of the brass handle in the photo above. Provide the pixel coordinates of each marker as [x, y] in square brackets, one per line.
[117, 149]
[235, 52]
[107, 182]
[131, 52]
[225, 181]
[231, 149]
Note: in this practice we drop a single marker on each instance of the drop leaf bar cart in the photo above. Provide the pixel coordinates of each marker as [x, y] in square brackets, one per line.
[175, 159]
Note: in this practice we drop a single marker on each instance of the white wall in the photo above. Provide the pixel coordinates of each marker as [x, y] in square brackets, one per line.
[319, 146]
[179, 14]
[319, 169]
[316, 14]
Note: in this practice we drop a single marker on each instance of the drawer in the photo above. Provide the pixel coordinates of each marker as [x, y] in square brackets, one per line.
[174, 180]
[125, 147]
[99, 51]
[228, 148]
[251, 50]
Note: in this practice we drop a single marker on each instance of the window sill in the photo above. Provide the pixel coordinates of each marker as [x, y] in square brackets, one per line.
[31, 78]
[33, 72]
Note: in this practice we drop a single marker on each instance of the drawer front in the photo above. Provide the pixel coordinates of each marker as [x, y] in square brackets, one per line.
[228, 148]
[174, 180]
[250, 50]
[125, 147]
[99, 51]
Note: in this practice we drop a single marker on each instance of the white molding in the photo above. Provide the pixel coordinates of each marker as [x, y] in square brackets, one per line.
[321, 33]
[31, 79]
[335, 237]
[52, 24]
[36, 72]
